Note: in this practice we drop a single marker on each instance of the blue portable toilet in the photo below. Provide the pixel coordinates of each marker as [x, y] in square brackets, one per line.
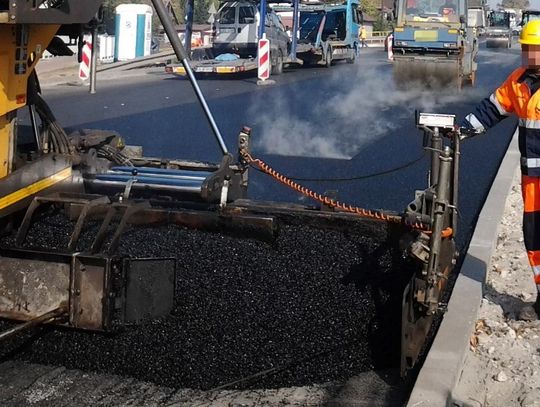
[133, 31]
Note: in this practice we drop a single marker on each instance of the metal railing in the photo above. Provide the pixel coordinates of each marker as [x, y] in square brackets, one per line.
[377, 37]
[379, 34]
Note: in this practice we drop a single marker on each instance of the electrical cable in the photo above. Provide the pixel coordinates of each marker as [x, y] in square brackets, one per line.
[356, 177]
[285, 366]
[325, 200]
[277, 369]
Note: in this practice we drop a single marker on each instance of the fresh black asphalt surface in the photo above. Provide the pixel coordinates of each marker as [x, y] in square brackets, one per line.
[359, 126]
[317, 305]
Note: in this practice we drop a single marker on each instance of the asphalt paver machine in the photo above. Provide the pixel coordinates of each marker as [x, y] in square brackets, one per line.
[72, 207]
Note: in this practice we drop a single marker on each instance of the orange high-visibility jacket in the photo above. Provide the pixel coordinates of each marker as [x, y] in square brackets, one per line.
[517, 95]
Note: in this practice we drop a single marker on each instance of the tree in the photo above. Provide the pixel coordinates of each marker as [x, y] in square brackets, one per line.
[200, 14]
[371, 7]
[517, 4]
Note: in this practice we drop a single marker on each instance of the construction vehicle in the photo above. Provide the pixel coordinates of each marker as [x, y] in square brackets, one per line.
[526, 16]
[238, 28]
[90, 183]
[515, 17]
[529, 15]
[477, 18]
[326, 33]
[434, 45]
[499, 30]
[329, 32]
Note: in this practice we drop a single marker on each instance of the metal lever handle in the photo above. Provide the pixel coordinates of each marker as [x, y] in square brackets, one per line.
[182, 56]
[42, 319]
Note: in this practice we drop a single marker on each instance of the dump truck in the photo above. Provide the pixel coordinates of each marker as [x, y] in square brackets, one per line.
[499, 30]
[434, 45]
[98, 237]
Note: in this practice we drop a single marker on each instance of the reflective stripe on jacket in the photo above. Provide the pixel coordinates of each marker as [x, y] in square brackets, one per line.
[517, 95]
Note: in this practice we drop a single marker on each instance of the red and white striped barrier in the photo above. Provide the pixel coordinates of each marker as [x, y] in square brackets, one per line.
[84, 69]
[389, 47]
[264, 59]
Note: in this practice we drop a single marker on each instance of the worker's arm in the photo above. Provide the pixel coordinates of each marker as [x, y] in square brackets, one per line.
[490, 111]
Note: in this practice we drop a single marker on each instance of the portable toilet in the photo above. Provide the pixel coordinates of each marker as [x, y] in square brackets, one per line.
[133, 31]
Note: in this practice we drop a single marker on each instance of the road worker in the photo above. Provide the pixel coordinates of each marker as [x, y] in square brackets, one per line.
[519, 96]
[363, 36]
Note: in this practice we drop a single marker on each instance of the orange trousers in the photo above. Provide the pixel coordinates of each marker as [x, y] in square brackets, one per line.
[530, 189]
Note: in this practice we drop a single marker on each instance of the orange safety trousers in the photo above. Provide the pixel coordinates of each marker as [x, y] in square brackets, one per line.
[530, 189]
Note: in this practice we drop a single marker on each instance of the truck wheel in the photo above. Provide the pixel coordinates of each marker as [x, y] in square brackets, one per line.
[459, 83]
[473, 78]
[470, 80]
[278, 68]
[329, 57]
[352, 59]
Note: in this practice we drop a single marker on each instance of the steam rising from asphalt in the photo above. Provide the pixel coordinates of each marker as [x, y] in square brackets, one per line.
[360, 107]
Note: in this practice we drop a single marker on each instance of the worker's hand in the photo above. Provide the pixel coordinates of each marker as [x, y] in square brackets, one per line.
[451, 133]
[467, 132]
[459, 131]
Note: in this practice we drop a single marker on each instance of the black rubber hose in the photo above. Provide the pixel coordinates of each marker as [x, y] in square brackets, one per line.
[58, 134]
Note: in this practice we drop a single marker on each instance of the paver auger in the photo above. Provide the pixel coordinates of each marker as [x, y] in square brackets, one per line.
[98, 191]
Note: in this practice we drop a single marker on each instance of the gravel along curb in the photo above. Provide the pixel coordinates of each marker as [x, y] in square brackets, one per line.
[444, 362]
